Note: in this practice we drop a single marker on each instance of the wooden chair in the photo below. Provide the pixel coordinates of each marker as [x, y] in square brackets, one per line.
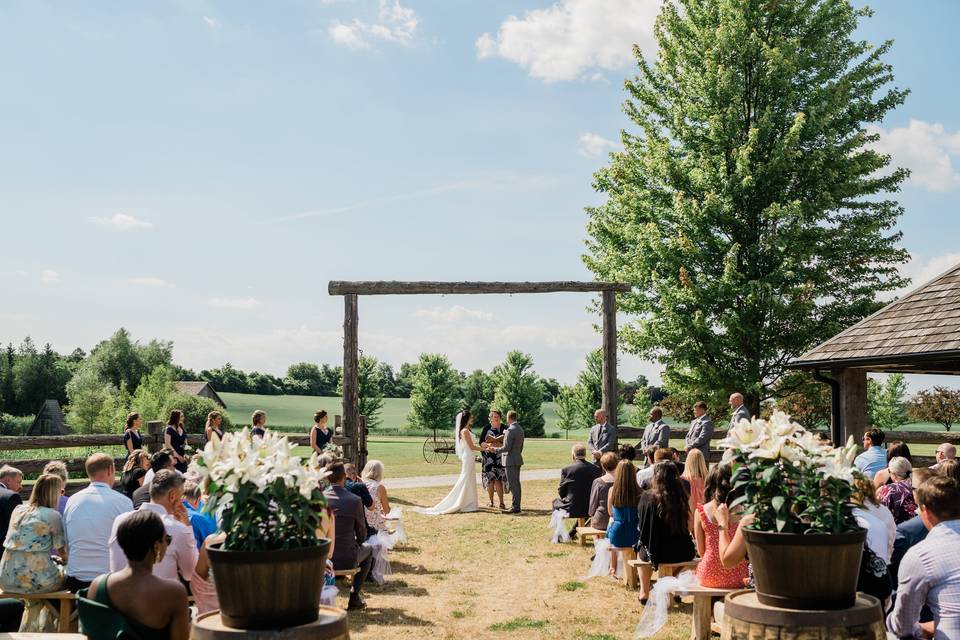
[64, 609]
[703, 623]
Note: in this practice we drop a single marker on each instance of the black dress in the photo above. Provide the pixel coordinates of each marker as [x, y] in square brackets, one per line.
[492, 467]
[323, 439]
[258, 432]
[178, 440]
[658, 543]
[131, 481]
[134, 437]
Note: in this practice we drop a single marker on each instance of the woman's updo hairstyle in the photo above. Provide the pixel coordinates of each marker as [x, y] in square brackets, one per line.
[319, 415]
[131, 418]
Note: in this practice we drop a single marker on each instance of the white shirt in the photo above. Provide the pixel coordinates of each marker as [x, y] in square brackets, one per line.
[181, 554]
[147, 477]
[84, 526]
[645, 475]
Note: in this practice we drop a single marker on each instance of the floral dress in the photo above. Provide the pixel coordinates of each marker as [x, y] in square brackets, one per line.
[493, 469]
[27, 566]
[898, 497]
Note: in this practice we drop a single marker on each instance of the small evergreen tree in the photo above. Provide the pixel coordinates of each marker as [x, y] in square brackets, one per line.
[886, 402]
[570, 410]
[517, 387]
[433, 399]
[88, 394]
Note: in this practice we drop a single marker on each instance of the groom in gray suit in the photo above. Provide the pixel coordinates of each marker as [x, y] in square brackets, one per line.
[512, 456]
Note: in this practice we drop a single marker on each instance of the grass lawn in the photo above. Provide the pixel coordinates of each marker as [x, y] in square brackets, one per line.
[487, 575]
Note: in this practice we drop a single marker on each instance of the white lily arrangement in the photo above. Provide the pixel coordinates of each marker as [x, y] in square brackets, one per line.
[789, 479]
[265, 496]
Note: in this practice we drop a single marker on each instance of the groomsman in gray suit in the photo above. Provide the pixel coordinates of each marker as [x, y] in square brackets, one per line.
[512, 456]
[701, 430]
[603, 436]
[655, 434]
[740, 411]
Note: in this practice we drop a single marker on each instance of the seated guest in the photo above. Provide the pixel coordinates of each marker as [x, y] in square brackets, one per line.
[600, 491]
[376, 514]
[912, 531]
[667, 455]
[622, 500]
[166, 495]
[154, 607]
[202, 523]
[898, 448]
[898, 495]
[695, 474]
[930, 571]
[626, 452]
[85, 523]
[646, 474]
[874, 577]
[355, 485]
[576, 481]
[350, 533]
[664, 521]
[59, 469]
[134, 472]
[711, 572]
[874, 458]
[159, 461]
[11, 480]
[945, 451]
[950, 469]
[202, 588]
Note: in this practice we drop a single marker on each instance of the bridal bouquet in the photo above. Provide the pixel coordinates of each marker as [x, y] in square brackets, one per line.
[266, 497]
[790, 480]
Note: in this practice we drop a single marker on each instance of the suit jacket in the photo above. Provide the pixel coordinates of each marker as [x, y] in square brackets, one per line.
[576, 480]
[698, 437]
[350, 525]
[742, 413]
[9, 500]
[512, 450]
[655, 434]
[909, 533]
[603, 438]
[141, 496]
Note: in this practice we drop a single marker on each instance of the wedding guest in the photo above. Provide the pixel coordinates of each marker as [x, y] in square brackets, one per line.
[36, 533]
[701, 430]
[912, 531]
[945, 451]
[930, 571]
[354, 484]
[11, 481]
[258, 423]
[202, 588]
[874, 458]
[600, 492]
[663, 523]
[626, 452]
[576, 481]
[493, 475]
[874, 576]
[695, 474]
[175, 438]
[351, 532]
[85, 523]
[950, 469]
[159, 461]
[134, 471]
[898, 495]
[740, 411]
[320, 436]
[372, 476]
[646, 474]
[154, 607]
[894, 449]
[711, 572]
[622, 500]
[132, 439]
[603, 436]
[166, 494]
[202, 523]
[59, 469]
[656, 433]
[668, 455]
[213, 426]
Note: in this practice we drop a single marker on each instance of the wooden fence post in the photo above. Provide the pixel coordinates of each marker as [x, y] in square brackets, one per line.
[362, 444]
[154, 437]
[610, 357]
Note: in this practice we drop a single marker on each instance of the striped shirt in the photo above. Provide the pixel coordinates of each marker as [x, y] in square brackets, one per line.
[930, 574]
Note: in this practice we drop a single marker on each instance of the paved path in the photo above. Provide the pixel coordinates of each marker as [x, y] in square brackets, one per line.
[418, 482]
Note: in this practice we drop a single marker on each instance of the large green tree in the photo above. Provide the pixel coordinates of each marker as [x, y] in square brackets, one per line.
[477, 391]
[748, 208]
[517, 387]
[433, 399]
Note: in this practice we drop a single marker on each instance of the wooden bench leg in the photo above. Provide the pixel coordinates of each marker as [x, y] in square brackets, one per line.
[66, 606]
[701, 617]
[631, 573]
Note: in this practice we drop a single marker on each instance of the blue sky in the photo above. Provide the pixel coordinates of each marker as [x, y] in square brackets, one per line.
[198, 171]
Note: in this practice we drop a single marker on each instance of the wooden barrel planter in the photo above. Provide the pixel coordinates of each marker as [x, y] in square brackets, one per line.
[746, 618]
[331, 624]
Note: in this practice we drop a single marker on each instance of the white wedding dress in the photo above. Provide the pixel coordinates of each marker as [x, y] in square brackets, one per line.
[463, 496]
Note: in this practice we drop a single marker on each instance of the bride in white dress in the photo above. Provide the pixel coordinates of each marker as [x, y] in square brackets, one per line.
[463, 496]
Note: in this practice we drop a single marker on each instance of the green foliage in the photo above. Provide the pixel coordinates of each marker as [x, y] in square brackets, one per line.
[939, 404]
[517, 387]
[515, 624]
[591, 382]
[120, 359]
[195, 409]
[370, 401]
[572, 409]
[477, 391]
[88, 393]
[113, 415]
[804, 399]
[748, 209]
[34, 376]
[572, 586]
[433, 400]
[551, 388]
[886, 402]
[150, 399]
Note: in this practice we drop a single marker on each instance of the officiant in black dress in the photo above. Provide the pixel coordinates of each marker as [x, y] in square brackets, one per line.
[494, 475]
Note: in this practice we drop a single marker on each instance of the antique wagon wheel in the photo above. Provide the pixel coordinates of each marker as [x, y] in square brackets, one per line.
[430, 453]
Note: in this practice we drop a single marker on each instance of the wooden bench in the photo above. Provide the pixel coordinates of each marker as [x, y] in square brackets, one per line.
[703, 624]
[65, 608]
[346, 574]
[588, 534]
[664, 570]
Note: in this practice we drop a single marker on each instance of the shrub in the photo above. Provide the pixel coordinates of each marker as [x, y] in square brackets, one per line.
[195, 409]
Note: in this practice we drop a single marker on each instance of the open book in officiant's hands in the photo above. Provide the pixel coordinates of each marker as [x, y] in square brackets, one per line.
[494, 441]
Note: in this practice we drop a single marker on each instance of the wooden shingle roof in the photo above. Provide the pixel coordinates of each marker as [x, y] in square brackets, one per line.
[919, 332]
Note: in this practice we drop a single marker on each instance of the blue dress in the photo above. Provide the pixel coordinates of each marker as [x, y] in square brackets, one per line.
[622, 532]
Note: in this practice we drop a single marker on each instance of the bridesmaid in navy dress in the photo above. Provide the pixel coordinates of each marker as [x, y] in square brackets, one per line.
[259, 423]
[320, 436]
[175, 437]
[132, 439]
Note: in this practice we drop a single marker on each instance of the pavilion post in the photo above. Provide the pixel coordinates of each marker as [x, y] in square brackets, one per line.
[350, 365]
[853, 402]
[610, 356]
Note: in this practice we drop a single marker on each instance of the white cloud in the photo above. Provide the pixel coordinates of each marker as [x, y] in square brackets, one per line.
[590, 145]
[148, 282]
[920, 271]
[573, 38]
[50, 276]
[395, 23]
[123, 222]
[455, 313]
[213, 23]
[21, 273]
[235, 304]
[927, 149]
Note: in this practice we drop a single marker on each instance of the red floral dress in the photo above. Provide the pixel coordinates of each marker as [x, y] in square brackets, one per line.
[711, 572]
